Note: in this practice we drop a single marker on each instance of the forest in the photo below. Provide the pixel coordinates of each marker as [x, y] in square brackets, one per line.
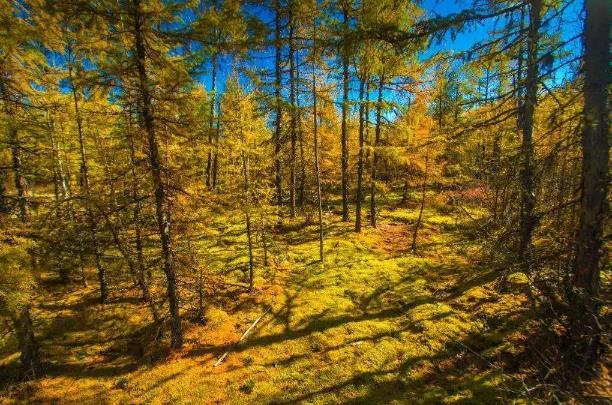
[305, 201]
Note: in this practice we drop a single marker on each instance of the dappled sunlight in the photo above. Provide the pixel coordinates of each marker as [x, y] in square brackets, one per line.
[304, 201]
[371, 324]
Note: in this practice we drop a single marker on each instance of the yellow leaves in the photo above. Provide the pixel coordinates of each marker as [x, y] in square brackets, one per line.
[16, 277]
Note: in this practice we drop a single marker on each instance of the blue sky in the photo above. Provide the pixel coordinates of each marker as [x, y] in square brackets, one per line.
[567, 25]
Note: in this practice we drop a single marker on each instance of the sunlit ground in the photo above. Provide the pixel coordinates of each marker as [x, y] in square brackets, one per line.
[376, 323]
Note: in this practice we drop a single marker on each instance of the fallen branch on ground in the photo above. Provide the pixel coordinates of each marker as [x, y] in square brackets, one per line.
[244, 335]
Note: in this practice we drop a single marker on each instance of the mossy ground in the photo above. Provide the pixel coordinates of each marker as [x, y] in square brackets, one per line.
[376, 323]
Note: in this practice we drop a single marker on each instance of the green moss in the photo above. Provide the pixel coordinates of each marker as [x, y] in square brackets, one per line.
[373, 324]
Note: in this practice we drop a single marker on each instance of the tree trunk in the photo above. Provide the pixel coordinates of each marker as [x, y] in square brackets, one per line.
[594, 198]
[86, 189]
[215, 168]
[315, 127]
[345, 112]
[22, 321]
[406, 189]
[59, 190]
[277, 101]
[211, 125]
[359, 196]
[420, 217]
[264, 239]
[528, 198]
[247, 204]
[20, 181]
[4, 208]
[302, 184]
[28, 346]
[293, 122]
[495, 176]
[200, 286]
[161, 210]
[143, 280]
[375, 154]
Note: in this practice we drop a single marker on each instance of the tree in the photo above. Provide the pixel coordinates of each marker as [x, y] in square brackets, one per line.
[246, 136]
[278, 180]
[17, 283]
[315, 132]
[594, 178]
[142, 22]
[528, 197]
[345, 7]
[84, 181]
[220, 28]
[20, 66]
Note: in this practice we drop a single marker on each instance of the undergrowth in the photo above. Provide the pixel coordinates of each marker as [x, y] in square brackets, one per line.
[374, 323]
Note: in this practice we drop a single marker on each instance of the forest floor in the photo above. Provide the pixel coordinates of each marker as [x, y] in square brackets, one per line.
[376, 323]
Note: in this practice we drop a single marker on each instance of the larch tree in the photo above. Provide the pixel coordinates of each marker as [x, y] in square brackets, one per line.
[19, 71]
[245, 145]
[528, 191]
[594, 178]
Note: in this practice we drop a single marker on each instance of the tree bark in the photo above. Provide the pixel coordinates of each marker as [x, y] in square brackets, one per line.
[215, 168]
[211, 124]
[22, 321]
[247, 204]
[143, 280]
[58, 188]
[20, 181]
[301, 197]
[345, 111]
[292, 116]
[359, 196]
[161, 210]
[528, 197]
[595, 177]
[381, 83]
[405, 188]
[28, 346]
[420, 217]
[315, 127]
[278, 180]
[86, 189]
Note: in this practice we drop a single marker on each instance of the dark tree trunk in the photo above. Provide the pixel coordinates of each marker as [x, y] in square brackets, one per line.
[406, 189]
[140, 268]
[345, 111]
[200, 289]
[86, 188]
[495, 164]
[528, 197]
[375, 154]
[315, 126]
[292, 116]
[594, 198]
[28, 346]
[420, 217]
[20, 181]
[247, 204]
[359, 196]
[162, 213]
[302, 184]
[22, 321]
[278, 180]
[215, 168]
[264, 240]
[4, 208]
[211, 124]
